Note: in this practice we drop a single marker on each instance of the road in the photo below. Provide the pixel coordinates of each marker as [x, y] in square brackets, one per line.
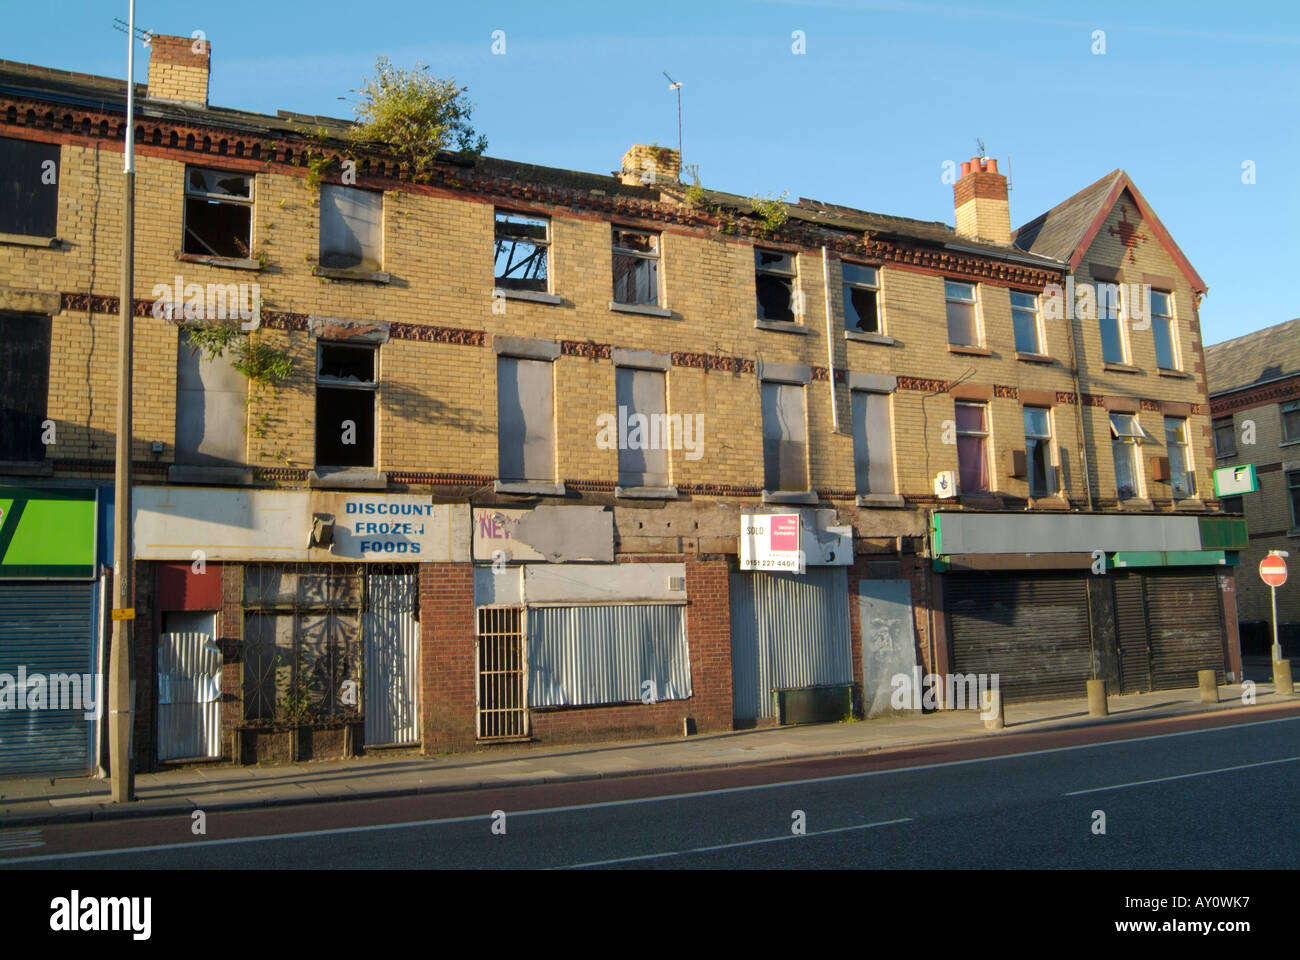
[1208, 798]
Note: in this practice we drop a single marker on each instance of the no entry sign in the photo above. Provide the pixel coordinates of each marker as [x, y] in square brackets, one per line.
[1272, 570]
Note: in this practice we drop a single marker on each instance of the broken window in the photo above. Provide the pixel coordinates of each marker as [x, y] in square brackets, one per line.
[1038, 451]
[963, 325]
[525, 420]
[210, 411]
[1181, 477]
[1024, 318]
[774, 276]
[1162, 328]
[522, 245]
[972, 447]
[873, 454]
[642, 405]
[1126, 434]
[345, 404]
[636, 267]
[24, 385]
[861, 298]
[351, 228]
[785, 438]
[218, 213]
[29, 188]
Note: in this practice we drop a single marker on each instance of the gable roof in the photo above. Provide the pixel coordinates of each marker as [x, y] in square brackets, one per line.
[1067, 230]
[1259, 357]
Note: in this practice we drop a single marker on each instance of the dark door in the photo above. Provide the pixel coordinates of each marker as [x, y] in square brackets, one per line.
[1131, 634]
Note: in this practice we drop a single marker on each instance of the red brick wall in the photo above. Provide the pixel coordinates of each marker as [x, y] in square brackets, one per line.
[230, 631]
[1231, 632]
[447, 668]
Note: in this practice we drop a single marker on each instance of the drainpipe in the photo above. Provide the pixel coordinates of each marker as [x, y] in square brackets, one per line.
[830, 340]
[1078, 401]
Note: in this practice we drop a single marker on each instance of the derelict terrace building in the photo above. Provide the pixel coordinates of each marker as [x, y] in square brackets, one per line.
[420, 536]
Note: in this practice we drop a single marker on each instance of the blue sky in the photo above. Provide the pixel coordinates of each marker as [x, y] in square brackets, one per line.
[1185, 93]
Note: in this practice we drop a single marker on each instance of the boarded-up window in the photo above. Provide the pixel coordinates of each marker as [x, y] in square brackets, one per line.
[29, 188]
[873, 456]
[642, 404]
[351, 228]
[525, 420]
[785, 438]
[218, 213]
[607, 654]
[24, 384]
[345, 405]
[209, 408]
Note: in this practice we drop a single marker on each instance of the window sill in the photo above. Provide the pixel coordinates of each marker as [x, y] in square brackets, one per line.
[27, 468]
[644, 309]
[646, 493]
[1289, 443]
[886, 500]
[1227, 455]
[864, 337]
[1121, 368]
[348, 478]
[22, 240]
[1054, 502]
[1173, 374]
[789, 496]
[969, 351]
[532, 296]
[1034, 357]
[982, 501]
[1136, 503]
[234, 263]
[214, 476]
[341, 273]
[538, 488]
[1189, 503]
[781, 326]
[1293, 532]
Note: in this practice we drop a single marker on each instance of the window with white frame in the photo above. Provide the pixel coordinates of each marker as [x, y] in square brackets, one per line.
[1126, 437]
[861, 298]
[636, 267]
[1112, 330]
[351, 228]
[785, 437]
[522, 256]
[1225, 437]
[972, 447]
[774, 279]
[1038, 451]
[1290, 421]
[963, 319]
[1181, 477]
[218, 213]
[1162, 328]
[1024, 320]
[525, 420]
[873, 454]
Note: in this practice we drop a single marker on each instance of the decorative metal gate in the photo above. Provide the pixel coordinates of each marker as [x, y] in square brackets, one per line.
[392, 658]
[501, 695]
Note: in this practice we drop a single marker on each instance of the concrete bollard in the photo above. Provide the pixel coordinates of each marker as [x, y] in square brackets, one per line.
[1209, 686]
[1097, 705]
[1282, 678]
[992, 710]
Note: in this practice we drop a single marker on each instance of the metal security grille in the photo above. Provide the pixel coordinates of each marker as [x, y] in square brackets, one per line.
[502, 693]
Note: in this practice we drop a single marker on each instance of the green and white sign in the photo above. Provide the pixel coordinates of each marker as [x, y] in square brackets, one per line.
[46, 533]
[1233, 481]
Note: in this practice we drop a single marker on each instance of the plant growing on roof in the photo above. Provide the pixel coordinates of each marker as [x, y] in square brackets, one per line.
[416, 115]
[771, 211]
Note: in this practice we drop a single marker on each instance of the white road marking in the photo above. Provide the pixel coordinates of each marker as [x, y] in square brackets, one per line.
[635, 800]
[732, 846]
[20, 839]
[1181, 776]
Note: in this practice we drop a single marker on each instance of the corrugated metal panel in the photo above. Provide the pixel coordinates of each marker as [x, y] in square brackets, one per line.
[1186, 627]
[189, 696]
[1131, 630]
[603, 654]
[46, 628]
[789, 631]
[392, 659]
[1030, 629]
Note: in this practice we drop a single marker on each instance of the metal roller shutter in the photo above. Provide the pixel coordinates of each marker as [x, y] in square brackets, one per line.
[1186, 626]
[46, 629]
[1131, 634]
[1030, 629]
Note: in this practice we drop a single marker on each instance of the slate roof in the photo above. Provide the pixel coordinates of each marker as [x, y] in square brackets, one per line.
[1059, 231]
[1268, 354]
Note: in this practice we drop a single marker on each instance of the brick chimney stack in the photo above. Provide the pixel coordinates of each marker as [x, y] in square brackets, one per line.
[980, 197]
[645, 165]
[178, 69]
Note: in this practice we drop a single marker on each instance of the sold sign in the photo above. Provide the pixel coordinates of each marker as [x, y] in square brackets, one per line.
[1272, 570]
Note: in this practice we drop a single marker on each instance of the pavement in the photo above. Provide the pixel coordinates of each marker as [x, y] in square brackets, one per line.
[33, 801]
